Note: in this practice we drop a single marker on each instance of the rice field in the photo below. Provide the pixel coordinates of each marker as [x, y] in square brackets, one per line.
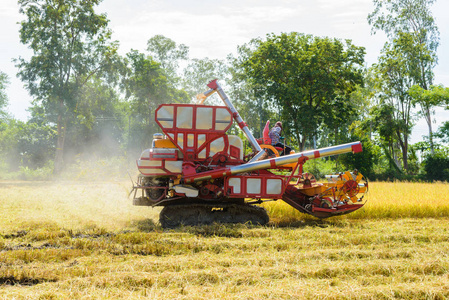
[86, 241]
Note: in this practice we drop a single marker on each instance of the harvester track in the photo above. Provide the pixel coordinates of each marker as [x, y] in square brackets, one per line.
[202, 214]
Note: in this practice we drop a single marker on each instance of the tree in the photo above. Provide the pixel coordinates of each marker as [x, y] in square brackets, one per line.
[410, 23]
[304, 76]
[168, 54]
[436, 95]
[70, 44]
[199, 72]
[98, 123]
[243, 91]
[3, 97]
[146, 87]
[394, 81]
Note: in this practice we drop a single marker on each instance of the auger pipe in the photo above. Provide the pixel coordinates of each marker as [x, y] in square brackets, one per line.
[214, 86]
[273, 163]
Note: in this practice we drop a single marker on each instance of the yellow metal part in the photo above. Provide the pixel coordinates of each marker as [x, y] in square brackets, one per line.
[291, 165]
[163, 143]
[336, 189]
[315, 189]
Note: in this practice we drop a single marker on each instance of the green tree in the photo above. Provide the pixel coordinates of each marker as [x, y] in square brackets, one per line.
[146, 87]
[304, 77]
[243, 91]
[3, 97]
[393, 70]
[410, 24]
[168, 54]
[199, 72]
[70, 44]
[98, 124]
[436, 95]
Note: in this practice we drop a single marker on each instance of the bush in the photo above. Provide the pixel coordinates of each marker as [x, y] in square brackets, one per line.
[437, 166]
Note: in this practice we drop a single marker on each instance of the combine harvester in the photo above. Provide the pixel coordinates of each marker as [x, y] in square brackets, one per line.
[200, 175]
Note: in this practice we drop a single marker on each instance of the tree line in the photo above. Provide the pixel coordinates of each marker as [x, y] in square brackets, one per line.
[89, 99]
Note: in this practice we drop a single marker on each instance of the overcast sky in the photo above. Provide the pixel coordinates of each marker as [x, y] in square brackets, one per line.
[213, 28]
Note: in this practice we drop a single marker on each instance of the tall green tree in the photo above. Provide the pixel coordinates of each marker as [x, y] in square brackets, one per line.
[168, 54]
[4, 81]
[70, 44]
[304, 76]
[394, 81]
[410, 23]
[146, 87]
[199, 72]
[243, 91]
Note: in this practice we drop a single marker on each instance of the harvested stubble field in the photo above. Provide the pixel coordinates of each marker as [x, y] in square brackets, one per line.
[86, 241]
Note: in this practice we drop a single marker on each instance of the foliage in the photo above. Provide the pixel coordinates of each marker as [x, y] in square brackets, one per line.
[305, 77]
[363, 161]
[168, 54]
[443, 132]
[146, 87]
[414, 37]
[436, 166]
[395, 104]
[99, 122]
[70, 43]
[4, 81]
[10, 156]
[435, 96]
[201, 71]
[243, 91]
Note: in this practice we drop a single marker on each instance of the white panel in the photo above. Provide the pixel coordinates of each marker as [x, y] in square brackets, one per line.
[253, 185]
[222, 119]
[152, 171]
[236, 142]
[186, 189]
[149, 163]
[181, 140]
[174, 166]
[165, 116]
[190, 140]
[184, 117]
[145, 153]
[217, 146]
[204, 118]
[274, 186]
[201, 139]
[235, 183]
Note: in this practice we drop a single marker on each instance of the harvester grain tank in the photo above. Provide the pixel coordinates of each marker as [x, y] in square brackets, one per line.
[200, 175]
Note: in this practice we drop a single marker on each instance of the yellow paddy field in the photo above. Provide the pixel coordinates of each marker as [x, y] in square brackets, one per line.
[86, 241]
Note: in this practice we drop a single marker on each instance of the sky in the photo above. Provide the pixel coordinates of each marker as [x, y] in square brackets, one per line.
[214, 29]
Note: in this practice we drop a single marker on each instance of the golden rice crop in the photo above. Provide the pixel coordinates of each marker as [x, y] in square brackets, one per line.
[384, 200]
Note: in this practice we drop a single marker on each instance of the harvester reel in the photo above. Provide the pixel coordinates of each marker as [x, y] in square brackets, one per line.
[306, 179]
[351, 188]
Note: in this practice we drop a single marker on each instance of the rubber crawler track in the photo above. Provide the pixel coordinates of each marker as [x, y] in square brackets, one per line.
[202, 214]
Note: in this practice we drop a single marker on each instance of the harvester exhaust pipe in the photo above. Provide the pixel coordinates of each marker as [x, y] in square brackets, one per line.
[272, 163]
[215, 87]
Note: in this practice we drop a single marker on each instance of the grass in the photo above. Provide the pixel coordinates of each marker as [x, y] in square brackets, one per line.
[86, 241]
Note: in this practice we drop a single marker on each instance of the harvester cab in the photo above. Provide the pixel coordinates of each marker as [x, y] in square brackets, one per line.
[199, 173]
